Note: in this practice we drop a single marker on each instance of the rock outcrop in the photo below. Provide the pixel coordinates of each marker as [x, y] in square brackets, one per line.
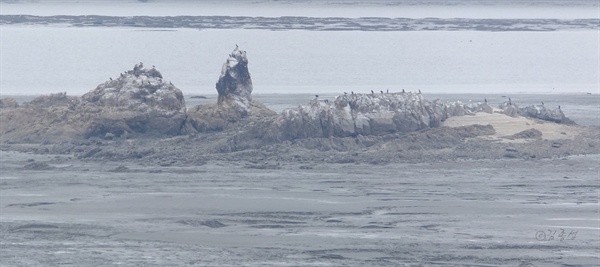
[366, 114]
[8, 102]
[138, 102]
[235, 97]
[540, 112]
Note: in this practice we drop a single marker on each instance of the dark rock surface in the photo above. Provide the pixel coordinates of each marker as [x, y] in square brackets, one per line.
[235, 98]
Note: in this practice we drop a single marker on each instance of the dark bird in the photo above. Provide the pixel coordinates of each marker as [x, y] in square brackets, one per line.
[485, 99]
[387, 91]
[170, 83]
[509, 101]
[542, 103]
[403, 91]
[317, 96]
[352, 92]
[153, 66]
[345, 93]
[236, 46]
[326, 101]
[419, 91]
[110, 78]
[558, 107]
[372, 92]
[381, 91]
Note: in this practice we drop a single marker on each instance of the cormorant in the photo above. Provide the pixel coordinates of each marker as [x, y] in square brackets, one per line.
[558, 107]
[153, 66]
[236, 46]
[326, 101]
[387, 91]
[345, 93]
[381, 91]
[110, 78]
[542, 103]
[372, 92]
[509, 101]
[352, 92]
[316, 96]
[419, 91]
[403, 91]
[485, 99]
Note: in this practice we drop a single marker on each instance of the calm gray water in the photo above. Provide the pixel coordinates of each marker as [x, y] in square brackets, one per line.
[42, 58]
[38, 59]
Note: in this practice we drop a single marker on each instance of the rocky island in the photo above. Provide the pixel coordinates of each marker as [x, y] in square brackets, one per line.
[141, 116]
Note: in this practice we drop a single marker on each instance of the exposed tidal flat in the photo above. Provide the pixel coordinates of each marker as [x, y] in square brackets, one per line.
[482, 212]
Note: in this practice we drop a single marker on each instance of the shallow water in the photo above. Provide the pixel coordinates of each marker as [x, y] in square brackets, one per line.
[56, 59]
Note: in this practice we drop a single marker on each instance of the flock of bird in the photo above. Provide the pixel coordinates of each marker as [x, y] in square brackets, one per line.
[387, 91]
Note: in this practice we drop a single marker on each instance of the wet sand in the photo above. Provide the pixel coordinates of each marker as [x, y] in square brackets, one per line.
[473, 213]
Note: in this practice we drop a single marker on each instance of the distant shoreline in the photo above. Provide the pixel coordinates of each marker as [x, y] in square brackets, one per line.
[306, 23]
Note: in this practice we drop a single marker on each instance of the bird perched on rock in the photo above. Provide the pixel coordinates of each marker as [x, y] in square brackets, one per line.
[403, 91]
[372, 92]
[110, 78]
[485, 99]
[419, 91]
[352, 92]
[381, 91]
[345, 93]
[316, 96]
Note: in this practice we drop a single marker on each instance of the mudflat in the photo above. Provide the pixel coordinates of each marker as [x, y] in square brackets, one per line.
[57, 211]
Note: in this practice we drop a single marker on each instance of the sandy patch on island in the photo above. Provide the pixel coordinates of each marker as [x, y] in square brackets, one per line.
[506, 126]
